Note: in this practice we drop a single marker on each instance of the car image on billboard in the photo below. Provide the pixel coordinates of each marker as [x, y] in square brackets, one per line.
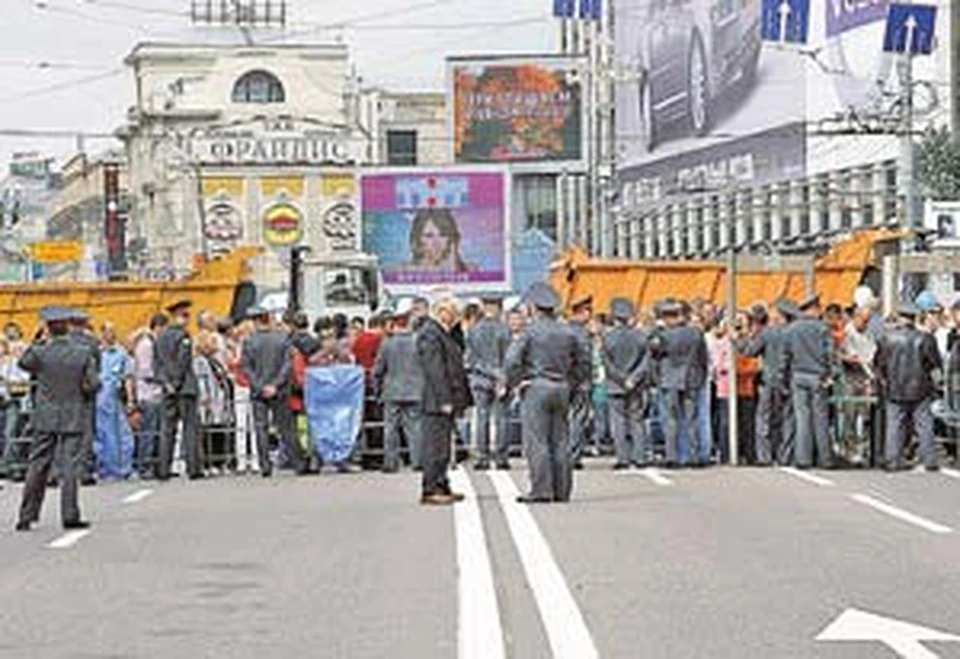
[691, 55]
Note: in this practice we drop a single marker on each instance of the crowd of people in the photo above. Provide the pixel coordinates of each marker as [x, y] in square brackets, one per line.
[814, 387]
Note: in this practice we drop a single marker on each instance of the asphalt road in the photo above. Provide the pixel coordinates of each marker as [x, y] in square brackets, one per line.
[720, 563]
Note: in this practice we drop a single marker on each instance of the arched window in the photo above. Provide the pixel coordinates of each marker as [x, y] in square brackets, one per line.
[258, 87]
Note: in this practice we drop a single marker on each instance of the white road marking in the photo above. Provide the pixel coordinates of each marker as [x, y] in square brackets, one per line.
[901, 514]
[480, 635]
[952, 473]
[138, 496]
[807, 476]
[69, 539]
[902, 637]
[566, 629]
[657, 478]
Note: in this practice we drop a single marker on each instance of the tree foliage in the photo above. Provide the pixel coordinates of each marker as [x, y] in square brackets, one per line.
[939, 166]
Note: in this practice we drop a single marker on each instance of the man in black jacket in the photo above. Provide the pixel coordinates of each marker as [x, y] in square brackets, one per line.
[446, 395]
[905, 362]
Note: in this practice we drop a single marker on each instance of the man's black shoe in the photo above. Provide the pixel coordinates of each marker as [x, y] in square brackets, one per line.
[76, 524]
[932, 468]
[197, 477]
[503, 465]
[620, 466]
[266, 474]
[529, 498]
[22, 526]
[578, 465]
[482, 465]
[88, 481]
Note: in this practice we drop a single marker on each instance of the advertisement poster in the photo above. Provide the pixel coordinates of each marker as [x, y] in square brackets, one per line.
[705, 96]
[282, 212]
[438, 228]
[517, 110]
[222, 202]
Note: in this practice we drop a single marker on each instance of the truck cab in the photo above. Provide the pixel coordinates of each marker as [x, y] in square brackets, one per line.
[340, 283]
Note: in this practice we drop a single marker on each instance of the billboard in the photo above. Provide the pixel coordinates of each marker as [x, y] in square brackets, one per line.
[438, 227]
[517, 109]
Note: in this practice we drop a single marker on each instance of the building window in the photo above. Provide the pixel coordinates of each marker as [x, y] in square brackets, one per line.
[848, 200]
[823, 203]
[258, 87]
[536, 196]
[401, 147]
[715, 223]
[698, 228]
[804, 211]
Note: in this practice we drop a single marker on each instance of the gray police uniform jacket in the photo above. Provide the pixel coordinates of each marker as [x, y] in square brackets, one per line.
[486, 349]
[66, 375]
[770, 344]
[624, 353]
[808, 348]
[551, 351]
[173, 362]
[682, 358]
[397, 373]
[266, 360]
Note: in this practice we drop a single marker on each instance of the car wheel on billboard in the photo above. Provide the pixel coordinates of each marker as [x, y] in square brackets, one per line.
[648, 134]
[698, 89]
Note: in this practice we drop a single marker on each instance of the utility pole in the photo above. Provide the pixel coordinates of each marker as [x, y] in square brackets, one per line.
[732, 403]
[907, 173]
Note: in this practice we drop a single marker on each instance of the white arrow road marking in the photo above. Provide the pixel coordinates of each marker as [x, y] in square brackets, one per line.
[566, 629]
[480, 635]
[901, 514]
[69, 539]
[807, 476]
[138, 496]
[901, 637]
[657, 478]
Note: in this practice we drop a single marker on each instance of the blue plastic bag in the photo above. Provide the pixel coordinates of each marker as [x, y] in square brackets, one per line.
[334, 400]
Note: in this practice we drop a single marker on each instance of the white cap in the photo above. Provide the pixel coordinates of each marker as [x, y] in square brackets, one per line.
[512, 302]
[863, 297]
[404, 306]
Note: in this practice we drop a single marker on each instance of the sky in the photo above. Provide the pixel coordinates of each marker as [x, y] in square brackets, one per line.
[61, 61]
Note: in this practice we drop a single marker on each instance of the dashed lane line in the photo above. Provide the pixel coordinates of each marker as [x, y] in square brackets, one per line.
[480, 635]
[952, 473]
[901, 514]
[565, 626]
[807, 476]
[138, 496]
[69, 539]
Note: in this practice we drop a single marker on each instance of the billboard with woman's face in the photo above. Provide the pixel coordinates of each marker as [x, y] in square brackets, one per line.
[430, 228]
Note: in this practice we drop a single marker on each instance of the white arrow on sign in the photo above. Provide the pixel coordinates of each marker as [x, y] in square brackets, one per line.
[784, 12]
[910, 26]
[902, 637]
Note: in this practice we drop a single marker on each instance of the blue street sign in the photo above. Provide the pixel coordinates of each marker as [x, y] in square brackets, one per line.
[910, 29]
[591, 9]
[785, 21]
[564, 8]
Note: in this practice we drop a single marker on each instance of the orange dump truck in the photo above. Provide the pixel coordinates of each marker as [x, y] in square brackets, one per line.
[835, 276]
[129, 305]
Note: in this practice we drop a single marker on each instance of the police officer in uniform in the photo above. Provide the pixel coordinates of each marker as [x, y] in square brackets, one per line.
[80, 332]
[487, 344]
[66, 374]
[267, 362]
[624, 352]
[905, 362]
[581, 313]
[773, 408]
[808, 353]
[682, 365]
[173, 366]
[547, 363]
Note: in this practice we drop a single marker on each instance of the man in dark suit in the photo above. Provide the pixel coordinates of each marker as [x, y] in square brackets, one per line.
[681, 352]
[267, 362]
[80, 332]
[65, 373]
[173, 367]
[624, 352]
[446, 394]
[487, 344]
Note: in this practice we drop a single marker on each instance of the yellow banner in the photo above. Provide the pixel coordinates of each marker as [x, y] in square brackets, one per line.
[339, 185]
[273, 186]
[231, 186]
[57, 252]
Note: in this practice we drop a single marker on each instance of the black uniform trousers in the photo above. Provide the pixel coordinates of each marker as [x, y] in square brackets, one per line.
[67, 450]
[435, 433]
[277, 410]
[178, 409]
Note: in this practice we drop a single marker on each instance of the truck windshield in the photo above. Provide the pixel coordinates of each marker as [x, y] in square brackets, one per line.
[347, 285]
